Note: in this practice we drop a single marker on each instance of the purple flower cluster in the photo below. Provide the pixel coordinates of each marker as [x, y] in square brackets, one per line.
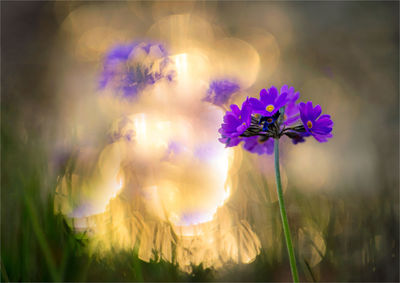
[129, 69]
[274, 115]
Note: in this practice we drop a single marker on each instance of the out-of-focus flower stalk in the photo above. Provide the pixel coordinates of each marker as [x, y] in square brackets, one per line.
[285, 223]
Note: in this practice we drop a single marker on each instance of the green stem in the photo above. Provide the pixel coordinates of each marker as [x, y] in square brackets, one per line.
[282, 208]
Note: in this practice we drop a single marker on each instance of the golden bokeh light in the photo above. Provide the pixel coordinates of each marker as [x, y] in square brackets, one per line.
[166, 179]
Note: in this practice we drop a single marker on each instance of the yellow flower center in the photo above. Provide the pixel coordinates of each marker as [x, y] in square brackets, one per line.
[270, 108]
[309, 124]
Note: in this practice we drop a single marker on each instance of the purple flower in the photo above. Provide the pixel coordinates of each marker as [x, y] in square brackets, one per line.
[235, 123]
[291, 95]
[129, 69]
[259, 145]
[320, 128]
[220, 91]
[230, 142]
[292, 113]
[269, 103]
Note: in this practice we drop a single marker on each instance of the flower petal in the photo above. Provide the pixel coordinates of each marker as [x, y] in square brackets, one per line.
[281, 101]
[295, 97]
[303, 112]
[269, 146]
[256, 104]
[291, 120]
[322, 138]
[272, 94]
[241, 128]
[321, 130]
[324, 116]
[316, 112]
[284, 88]
[235, 109]
[264, 96]
[309, 110]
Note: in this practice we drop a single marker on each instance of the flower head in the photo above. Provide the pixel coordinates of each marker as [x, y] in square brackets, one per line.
[220, 91]
[320, 128]
[269, 103]
[273, 116]
[130, 68]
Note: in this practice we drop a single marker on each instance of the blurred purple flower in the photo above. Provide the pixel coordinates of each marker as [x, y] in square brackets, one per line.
[220, 91]
[269, 103]
[297, 137]
[121, 129]
[130, 68]
[320, 128]
[292, 113]
[173, 150]
[259, 145]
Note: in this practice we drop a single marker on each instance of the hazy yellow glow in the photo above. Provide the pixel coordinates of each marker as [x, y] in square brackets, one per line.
[231, 56]
[166, 178]
[119, 184]
[181, 64]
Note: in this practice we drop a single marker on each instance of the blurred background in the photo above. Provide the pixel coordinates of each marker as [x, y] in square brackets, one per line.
[58, 138]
